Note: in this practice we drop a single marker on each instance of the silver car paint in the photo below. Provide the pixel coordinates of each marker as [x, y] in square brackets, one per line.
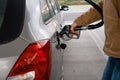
[34, 30]
[9, 53]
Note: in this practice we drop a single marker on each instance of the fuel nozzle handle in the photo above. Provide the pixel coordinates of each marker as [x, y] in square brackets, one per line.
[67, 35]
[65, 30]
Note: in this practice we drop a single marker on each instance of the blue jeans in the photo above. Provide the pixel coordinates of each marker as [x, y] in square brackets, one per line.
[112, 70]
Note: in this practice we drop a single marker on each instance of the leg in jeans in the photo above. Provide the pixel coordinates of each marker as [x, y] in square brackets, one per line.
[109, 69]
[116, 72]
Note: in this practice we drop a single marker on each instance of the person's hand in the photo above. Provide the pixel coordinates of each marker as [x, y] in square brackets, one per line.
[73, 25]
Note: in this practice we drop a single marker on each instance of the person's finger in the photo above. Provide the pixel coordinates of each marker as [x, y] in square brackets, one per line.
[73, 25]
[72, 29]
[75, 33]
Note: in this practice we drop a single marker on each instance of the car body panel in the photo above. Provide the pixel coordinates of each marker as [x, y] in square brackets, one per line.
[9, 53]
[34, 30]
[57, 60]
[6, 65]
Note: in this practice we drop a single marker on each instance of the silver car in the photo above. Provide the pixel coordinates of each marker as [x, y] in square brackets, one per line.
[30, 47]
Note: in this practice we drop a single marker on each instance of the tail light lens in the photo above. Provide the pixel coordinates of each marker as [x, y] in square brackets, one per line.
[34, 63]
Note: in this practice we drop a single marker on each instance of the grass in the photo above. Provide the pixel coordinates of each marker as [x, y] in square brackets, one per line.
[74, 2]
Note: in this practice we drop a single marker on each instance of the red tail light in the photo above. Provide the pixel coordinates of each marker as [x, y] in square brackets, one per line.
[34, 63]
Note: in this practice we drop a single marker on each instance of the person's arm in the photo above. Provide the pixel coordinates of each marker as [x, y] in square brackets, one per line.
[88, 17]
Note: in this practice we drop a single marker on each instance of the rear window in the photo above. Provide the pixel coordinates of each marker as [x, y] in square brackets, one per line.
[2, 10]
[12, 15]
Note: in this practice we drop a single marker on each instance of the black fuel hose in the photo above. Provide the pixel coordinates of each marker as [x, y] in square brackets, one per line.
[92, 26]
[95, 6]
